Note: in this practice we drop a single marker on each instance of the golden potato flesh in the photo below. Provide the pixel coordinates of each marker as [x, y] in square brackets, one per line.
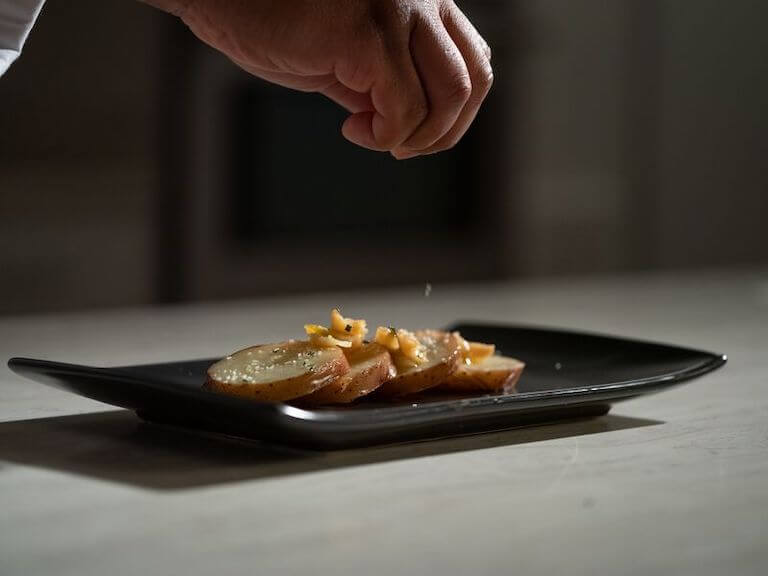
[369, 367]
[442, 355]
[495, 374]
[277, 372]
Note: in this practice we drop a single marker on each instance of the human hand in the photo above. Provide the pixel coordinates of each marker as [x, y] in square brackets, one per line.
[412, 73]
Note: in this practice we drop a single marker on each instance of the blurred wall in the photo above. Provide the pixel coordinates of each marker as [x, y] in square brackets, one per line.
[638, 133]
[77, 159]
[572, 195]
[712, 199]
[643, 135]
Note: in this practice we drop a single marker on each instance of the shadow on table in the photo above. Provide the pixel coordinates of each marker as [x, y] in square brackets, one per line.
[117, 446]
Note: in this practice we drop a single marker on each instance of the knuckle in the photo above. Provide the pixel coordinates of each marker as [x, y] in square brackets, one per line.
[385, 15]
[484, 79]
[355, 72]
[414, 111]
[459, 89]
[410, 115]
[388, 141]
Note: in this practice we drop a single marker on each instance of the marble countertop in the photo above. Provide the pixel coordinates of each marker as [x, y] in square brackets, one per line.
[674, 483]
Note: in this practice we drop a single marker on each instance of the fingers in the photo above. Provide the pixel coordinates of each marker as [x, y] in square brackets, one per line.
[399, 104]
[353, 101]
[326, 84]
[446, 82]
[476, 54]
[303, 82]
[413, 88]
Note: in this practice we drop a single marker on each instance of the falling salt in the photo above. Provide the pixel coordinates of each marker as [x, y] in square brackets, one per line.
[558, 366]
[427, 290]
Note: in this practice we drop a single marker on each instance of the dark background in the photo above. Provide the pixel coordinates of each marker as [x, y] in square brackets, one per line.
[138, 166]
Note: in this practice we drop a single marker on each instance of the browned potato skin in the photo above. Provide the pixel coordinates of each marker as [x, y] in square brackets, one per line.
[287, 389]
[370, 367]
[423, 378]
[497, 374]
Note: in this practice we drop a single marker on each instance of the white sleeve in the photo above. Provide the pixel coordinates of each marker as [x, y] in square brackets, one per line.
[16, 20]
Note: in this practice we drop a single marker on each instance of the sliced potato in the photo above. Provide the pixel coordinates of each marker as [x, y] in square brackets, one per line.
[442, 354]
[494, 374]
[369, 367]
[277, 372]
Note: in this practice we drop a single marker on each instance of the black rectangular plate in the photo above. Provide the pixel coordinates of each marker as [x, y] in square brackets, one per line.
[567, 375]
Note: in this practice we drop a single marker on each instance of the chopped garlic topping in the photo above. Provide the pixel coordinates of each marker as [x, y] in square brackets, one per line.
[387, 337]
[402, 344]
[347, 325]
[321, 336]
[312, 329]
[344, 332]
[476, 352]
[410, 347]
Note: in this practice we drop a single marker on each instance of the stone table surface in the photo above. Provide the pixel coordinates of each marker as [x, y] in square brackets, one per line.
[673, 483]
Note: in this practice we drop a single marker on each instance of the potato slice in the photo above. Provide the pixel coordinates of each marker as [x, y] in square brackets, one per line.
[494, 374]
[369, 367]
[277, 372]
[442, 354]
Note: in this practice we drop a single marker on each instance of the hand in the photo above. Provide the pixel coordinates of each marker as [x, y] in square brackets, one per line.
[412, 73]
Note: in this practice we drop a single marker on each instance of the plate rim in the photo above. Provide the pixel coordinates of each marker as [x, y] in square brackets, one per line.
[623, 389]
